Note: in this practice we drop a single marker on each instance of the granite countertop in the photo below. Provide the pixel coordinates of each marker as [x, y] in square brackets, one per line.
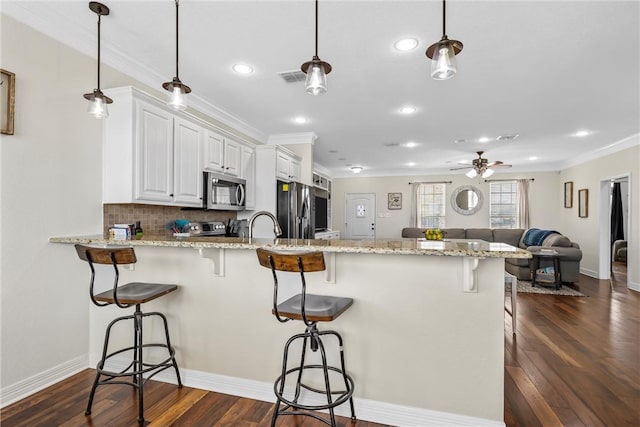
[448, 247]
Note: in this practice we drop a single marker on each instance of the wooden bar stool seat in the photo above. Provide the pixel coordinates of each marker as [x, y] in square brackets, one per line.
[310, 309]
[132, 294]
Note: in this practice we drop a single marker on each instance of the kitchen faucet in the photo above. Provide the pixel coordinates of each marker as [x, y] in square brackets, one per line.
[276, 227]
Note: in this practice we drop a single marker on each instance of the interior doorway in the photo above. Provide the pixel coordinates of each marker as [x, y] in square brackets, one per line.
[612, 263]
[360, 216]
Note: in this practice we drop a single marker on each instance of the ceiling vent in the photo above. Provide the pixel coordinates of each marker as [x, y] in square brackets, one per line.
[508, 137]
[392, 144]
[294, 76]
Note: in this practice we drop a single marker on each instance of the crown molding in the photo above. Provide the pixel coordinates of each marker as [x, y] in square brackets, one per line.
[614, 147]
[292, 138]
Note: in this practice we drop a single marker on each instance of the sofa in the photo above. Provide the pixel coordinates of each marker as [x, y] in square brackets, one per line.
[619, 251]
[518, 237]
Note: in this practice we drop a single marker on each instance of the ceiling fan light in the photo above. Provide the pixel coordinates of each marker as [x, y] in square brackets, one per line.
[487, 173]
[316, 81]
[443, 64]
[472, 173]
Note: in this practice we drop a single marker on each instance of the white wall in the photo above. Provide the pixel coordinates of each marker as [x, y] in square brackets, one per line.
[543, 197]
[50, 185]
[589, 175]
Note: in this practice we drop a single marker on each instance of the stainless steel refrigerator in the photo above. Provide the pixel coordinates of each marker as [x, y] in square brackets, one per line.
[295, 210]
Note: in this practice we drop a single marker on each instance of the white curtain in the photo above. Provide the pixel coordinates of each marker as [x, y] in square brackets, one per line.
[415, 188]
[522, 196]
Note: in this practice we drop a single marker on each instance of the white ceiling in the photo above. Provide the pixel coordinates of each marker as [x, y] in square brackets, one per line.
[541, 69]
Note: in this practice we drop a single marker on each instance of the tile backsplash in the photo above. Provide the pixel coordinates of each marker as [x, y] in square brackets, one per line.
[153, 219]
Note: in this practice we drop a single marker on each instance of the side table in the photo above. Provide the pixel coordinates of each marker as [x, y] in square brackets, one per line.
[555, 259]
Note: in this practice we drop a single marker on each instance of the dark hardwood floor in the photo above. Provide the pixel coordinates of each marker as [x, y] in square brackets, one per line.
[574, 362]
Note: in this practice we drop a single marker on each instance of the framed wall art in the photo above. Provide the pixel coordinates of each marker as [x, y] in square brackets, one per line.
[394, 201]
[7, 101]
[583, 203]
[568, 194]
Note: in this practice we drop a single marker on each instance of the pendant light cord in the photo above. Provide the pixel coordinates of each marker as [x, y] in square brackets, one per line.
[177, 7]
[444, 15]
[316, 28]
[99, 16]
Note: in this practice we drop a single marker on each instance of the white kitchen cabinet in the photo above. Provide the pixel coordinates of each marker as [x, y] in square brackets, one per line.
[187, 179]
[150, 154]
[248, 173]
[221, 154]
[153, 154]
[288, 166]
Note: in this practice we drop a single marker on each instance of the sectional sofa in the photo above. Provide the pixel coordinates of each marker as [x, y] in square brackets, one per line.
[518, 237]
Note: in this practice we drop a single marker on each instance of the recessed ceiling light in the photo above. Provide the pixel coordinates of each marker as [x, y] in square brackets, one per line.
[411, 144]
[411, 164]
[459, 141]
[582, 133]
[408, 109]
[300, 120]
[484, 139]
[333, 151]
[392, 144]
[533, 158]
[406, 44]
[242, 69]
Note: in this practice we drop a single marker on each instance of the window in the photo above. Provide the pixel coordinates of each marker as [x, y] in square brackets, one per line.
[431, 205]
[503, 204]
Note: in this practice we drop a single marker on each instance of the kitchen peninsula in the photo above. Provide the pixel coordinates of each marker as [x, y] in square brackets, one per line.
[424, 338]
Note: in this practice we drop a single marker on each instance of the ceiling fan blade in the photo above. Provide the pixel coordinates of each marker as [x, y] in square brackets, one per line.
[502, 165]
[496, 163]
[464, 167]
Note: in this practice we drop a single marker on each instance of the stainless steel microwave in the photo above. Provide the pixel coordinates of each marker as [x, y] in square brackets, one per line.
[223, 192]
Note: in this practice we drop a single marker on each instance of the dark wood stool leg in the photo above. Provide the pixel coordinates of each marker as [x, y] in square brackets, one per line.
[139, 367]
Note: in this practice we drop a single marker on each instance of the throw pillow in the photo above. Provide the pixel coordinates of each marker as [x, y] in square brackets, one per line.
[557, 240]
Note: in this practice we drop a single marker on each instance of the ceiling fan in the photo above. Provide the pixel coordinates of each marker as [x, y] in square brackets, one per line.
[482, 167]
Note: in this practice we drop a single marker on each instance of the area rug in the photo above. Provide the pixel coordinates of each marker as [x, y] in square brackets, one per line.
[525, 287]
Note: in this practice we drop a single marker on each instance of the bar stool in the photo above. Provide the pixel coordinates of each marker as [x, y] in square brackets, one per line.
[311, 309]
[125, 296]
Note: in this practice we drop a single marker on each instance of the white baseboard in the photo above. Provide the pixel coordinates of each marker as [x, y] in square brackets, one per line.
[590, 273]
[633, 286]
[26, 387]
[366, 409]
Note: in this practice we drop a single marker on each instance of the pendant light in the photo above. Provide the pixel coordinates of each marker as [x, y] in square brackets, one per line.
[177, 90]
[316, 70]
[443, 53]
[97, 100]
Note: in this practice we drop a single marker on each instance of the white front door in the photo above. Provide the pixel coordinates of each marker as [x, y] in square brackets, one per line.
[360, 216]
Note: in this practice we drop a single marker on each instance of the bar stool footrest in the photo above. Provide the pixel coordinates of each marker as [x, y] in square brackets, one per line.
[345, 395]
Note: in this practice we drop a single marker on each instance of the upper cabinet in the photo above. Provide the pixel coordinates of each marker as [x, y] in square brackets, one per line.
[221, 154]
[156, 156]
[288, 166]
[321, 181]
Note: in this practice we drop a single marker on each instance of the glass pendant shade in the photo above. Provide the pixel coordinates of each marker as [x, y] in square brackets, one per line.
[316, 82]
[177, 99]
[487, 173]
[443, 63]
[98, 108]
[472, 173]
[98, 102]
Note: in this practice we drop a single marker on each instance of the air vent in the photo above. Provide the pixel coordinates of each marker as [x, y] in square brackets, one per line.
[293, 76]
[392, 144]
[508, 137]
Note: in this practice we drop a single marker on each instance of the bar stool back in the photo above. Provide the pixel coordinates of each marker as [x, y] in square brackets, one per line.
[125, 296]
[310, 309]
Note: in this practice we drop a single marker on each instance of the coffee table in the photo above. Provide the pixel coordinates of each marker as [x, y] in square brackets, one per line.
[555, 259]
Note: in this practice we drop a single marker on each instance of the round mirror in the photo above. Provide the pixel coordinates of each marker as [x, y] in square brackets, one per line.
[466, 200]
